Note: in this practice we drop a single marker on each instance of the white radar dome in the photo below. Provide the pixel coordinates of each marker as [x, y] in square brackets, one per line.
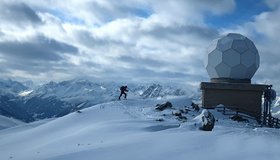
[233, 56]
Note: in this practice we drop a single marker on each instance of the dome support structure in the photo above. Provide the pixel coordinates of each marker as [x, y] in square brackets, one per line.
[231, 62]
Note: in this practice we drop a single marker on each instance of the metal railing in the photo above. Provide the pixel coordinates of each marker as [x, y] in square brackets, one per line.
[270, 121]
[267, 119]
[233, 110]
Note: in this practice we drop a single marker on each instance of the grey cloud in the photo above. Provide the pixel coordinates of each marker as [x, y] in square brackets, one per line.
[148, 64]
[86, 38]
[151, 69]
[117, 9]
[33, 67]
[41, 54]
[267, 42]
[18, 13]
[207, 33]
[91, 64]
[27, 50]
[269, 66]
[144, 74]
[2, 69]
[218, 6]
[1, 33]
[141, 62]
[273, 3]
[39, 48]
[37, 56]
[40, 71]
[161, 32]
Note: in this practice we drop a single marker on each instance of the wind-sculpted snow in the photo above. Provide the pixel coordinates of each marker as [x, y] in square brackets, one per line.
[121, 130]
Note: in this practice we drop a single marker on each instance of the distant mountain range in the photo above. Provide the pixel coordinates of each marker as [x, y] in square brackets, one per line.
[28, 103]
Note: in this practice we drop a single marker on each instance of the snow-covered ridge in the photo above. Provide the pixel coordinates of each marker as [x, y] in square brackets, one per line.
[25, 93]
[130, 129]
[11, 87]
[72, 88]
[6, 122]
[55, 99]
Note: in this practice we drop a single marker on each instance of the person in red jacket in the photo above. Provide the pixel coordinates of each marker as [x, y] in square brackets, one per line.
[123, 90]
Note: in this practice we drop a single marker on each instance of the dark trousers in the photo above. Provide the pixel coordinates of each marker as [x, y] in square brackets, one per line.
[122, 94]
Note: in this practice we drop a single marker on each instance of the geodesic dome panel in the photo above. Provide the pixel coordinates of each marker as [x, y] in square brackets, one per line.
[248, 58]
[223, 70]
[239, 45]
[233, 56]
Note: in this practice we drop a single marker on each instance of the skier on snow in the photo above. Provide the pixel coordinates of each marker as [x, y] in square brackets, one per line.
[123, 90]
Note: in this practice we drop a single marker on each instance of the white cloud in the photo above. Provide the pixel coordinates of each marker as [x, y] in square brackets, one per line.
[263, 30]
[273, 3]
[131, 39]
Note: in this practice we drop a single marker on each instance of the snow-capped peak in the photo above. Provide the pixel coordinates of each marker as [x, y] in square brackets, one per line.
[25, 93]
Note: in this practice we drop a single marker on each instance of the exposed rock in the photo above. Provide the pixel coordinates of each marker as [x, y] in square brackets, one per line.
[176, 113]
[185, 110]
[238, 118]
[195, 107]
[182, 118]
[160, 120]
[163, 106]
[207, 121]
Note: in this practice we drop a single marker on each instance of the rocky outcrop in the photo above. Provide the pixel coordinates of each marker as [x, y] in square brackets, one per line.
[207, 121]
[163, 106]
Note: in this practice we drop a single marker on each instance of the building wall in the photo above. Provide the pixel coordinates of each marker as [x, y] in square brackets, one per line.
[245, 98]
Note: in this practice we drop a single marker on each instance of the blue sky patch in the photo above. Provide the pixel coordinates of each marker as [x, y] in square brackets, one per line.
[245, 11]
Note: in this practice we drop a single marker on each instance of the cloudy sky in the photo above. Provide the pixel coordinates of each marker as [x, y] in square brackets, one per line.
[133, 40]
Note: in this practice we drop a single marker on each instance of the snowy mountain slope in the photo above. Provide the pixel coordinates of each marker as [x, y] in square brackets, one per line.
[11, 106]
[10, 87]
[33, 108]
[121, 130]
[79, 90]
[6, 122]
[55, 99]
